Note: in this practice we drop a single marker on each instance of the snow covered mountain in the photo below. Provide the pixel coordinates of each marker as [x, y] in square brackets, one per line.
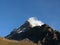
[37, 32]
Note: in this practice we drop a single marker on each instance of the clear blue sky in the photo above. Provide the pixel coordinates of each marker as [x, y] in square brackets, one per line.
[13, 13]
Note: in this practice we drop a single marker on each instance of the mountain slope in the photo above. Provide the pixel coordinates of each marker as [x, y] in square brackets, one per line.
[4, 41]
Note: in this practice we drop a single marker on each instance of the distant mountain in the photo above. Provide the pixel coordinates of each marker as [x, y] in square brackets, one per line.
[37, 32]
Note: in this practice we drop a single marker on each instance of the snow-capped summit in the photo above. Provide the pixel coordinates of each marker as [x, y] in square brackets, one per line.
[34, 22]
[30, 23]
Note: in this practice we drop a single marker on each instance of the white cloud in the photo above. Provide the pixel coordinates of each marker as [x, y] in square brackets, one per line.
[34, 22]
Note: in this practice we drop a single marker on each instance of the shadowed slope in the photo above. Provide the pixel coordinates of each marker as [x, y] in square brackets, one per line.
[43, 35]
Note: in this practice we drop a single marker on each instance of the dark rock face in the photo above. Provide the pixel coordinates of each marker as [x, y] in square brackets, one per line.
[44, 35]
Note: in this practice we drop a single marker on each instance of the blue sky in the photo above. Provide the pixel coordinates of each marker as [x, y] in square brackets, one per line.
[13, 13]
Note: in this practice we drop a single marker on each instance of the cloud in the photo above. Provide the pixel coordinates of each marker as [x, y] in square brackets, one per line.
[34, 22]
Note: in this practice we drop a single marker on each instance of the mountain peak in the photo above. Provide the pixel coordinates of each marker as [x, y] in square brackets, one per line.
[35, 22]
[36, 32]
